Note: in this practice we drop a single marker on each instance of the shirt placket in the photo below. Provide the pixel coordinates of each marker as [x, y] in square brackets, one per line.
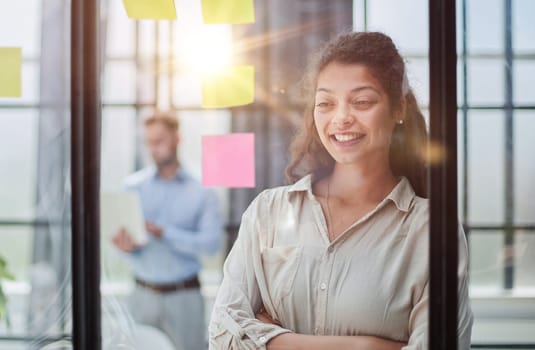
[323, 290]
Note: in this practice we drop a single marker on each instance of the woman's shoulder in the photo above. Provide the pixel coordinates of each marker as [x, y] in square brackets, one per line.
[272, 201]
[276, 194]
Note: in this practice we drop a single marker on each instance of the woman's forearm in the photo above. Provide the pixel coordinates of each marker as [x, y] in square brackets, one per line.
[294, 341]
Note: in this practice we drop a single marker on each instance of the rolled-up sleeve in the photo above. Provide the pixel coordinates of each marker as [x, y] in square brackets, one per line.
[419, 323]
[233, 324]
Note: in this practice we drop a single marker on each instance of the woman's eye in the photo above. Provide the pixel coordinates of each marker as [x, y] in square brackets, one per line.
[322, 104]
[364, 103]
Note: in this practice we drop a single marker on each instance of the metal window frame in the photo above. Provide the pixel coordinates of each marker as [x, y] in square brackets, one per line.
[85, 174]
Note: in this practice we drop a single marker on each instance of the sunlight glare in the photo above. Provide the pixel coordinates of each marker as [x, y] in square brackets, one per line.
[207, 50]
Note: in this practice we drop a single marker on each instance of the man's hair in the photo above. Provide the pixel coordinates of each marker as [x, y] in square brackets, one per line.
[167, 118]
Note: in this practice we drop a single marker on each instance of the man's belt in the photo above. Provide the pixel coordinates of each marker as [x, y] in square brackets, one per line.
[190, 283]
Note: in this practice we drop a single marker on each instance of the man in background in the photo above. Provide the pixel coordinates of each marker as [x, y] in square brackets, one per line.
[183, 222]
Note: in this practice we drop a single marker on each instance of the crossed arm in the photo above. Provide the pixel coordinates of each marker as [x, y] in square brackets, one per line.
[294, 341]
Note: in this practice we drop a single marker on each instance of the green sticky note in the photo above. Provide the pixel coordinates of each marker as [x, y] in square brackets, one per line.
[227, 11]
[10, 71]
[231, 87]
[150, 9]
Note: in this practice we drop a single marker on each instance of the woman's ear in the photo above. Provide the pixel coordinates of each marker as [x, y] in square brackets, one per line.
[402, 110]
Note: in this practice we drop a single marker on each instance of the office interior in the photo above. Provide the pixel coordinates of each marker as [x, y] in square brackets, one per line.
[155, 64]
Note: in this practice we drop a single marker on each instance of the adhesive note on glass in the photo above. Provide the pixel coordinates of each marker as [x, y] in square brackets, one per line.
[228, 11]
[228, 160]
[232, 87]
[10, 71]
[150, 9]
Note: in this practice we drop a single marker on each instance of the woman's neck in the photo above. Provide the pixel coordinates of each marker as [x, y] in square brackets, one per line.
[351, 182]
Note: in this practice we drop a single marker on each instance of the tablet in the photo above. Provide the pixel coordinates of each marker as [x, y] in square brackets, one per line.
[122, 209]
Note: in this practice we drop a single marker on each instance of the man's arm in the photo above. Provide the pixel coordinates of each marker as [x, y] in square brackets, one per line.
[208, 236]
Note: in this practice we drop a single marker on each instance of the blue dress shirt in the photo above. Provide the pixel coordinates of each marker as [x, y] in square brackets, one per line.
[190, 217]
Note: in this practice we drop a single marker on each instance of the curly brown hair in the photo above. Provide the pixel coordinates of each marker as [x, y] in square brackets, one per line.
[409, 140]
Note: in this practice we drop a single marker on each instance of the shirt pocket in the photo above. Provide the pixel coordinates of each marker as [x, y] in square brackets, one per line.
[280, 266]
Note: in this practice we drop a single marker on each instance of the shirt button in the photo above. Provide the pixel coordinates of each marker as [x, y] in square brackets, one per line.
[263, 339]
[330, 249]
[323, 286]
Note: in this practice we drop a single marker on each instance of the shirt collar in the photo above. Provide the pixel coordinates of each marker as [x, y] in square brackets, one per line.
[179, 176]
[402, 194]
[303, 184]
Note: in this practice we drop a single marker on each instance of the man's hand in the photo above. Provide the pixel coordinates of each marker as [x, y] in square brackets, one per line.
[154, 230]
[124, 241]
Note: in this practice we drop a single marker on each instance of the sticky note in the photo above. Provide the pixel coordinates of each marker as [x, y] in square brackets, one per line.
[150, 9]
[228, 11]
[10, 71]
[233, 86]
[228, 160]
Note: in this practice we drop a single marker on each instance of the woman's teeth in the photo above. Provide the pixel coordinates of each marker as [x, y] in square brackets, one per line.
[346, 137]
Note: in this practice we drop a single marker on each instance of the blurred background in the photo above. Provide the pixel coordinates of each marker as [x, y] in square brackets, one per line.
[148, 64]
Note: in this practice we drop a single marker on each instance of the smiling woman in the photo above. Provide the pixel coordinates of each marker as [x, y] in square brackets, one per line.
[339, 258]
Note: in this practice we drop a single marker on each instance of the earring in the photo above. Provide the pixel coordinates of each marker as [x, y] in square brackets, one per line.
[400, 122]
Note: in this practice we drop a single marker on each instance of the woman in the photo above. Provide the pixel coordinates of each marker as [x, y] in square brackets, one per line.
[339, 259]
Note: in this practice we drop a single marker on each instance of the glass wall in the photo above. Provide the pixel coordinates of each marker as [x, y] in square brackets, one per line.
[496, 54]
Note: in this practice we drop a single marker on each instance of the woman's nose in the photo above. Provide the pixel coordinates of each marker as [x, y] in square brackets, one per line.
[343, 117]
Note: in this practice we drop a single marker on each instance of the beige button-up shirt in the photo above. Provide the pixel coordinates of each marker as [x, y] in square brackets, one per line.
[371, 280]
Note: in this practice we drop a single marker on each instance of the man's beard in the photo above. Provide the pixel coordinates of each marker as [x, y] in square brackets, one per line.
[166, 162]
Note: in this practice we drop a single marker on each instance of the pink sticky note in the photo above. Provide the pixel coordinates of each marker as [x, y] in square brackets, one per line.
[228, 160]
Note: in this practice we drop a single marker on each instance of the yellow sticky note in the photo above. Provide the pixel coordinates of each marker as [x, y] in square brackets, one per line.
[150, 9]
[10, 71]
[231, 87]
[227, 11]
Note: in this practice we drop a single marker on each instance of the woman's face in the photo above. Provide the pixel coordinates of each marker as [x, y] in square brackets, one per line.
[352, 114]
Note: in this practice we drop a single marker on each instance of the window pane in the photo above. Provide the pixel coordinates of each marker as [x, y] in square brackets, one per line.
[20, 26]
[38, 300]
[485, 82]
[524, 170]
[119, 82]
[18, 161]
[485, 26]
[195, 124]
[405, 21]
[146, 75]
[418, 74]
[485, 168]
[523, 28]
[120, 39]
[187, 90]
[146, 39]
[460, 164]
[524, 72]
[524, 259]
[15, 248]
[486, 260]
[118, 146]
